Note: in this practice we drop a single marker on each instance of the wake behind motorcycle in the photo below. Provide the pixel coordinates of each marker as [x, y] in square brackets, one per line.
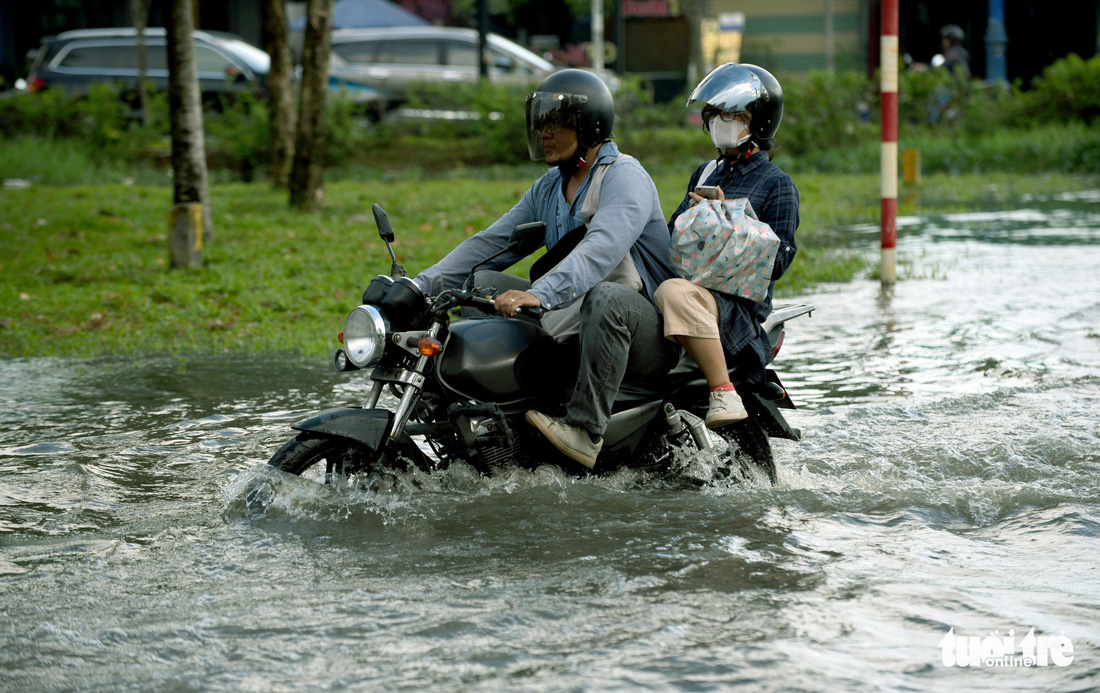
[463, 377]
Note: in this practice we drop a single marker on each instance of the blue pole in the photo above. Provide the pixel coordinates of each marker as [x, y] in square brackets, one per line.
[996, 41]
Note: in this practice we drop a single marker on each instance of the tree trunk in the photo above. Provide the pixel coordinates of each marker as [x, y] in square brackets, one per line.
[280, 97]
[483, 40]
[185, 111]
[693, 13]
[140, 11]
[308, 168]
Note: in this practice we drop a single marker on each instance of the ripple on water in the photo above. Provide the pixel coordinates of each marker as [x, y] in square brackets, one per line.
[948, 479]
[43, 448]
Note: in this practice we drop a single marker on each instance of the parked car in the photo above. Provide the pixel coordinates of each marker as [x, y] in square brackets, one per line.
[226, 63]
[391, 59]
[73, 60]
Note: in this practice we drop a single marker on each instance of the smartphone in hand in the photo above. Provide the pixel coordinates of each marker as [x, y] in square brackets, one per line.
[707, 192]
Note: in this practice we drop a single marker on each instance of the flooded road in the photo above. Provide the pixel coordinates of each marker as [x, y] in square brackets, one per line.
[947, 489]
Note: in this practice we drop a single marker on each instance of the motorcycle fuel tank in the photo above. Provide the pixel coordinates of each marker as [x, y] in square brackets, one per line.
[505, 361]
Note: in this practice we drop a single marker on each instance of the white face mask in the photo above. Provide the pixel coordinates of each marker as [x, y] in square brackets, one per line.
[727, 135]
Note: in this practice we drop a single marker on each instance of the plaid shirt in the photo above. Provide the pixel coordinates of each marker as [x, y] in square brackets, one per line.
[774, 198]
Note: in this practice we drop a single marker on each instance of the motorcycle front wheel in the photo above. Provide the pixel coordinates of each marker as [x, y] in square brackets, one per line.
[317, 458]
[323, 455]
[319, 454]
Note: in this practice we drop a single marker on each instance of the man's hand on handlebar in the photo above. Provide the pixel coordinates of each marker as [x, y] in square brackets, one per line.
[512, 300]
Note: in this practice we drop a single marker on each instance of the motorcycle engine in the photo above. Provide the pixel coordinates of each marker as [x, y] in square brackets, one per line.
[495, 451]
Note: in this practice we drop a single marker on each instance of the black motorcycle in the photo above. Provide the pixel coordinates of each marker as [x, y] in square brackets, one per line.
[463, 376]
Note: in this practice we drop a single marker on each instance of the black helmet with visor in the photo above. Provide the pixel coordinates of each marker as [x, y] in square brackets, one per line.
[570, 98]
[743, 88]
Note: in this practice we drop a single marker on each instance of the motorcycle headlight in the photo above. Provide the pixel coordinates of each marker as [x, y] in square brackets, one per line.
[364, 336]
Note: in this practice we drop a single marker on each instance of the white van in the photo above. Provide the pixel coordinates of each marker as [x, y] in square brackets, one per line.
[390, 59]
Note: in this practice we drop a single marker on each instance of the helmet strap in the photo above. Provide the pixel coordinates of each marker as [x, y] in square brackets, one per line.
[572, 165]
[742, 152]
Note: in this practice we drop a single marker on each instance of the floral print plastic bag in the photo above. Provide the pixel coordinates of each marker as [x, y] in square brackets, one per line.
[721, 245]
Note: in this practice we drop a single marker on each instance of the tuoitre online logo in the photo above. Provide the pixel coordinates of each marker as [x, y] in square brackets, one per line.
[995, 650]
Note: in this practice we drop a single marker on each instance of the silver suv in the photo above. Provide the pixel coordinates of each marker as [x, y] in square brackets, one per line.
[75, 59]
[393, 58]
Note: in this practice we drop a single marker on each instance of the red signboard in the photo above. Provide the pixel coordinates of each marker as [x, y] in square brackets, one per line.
[645, 8]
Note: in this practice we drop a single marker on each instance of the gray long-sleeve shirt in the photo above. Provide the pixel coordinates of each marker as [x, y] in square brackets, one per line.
[629, 220]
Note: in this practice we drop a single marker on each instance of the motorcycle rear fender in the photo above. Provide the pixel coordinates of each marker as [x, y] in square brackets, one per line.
[371, 427]
[766, 413]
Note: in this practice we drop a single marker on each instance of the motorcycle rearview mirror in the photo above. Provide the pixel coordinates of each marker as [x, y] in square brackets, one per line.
[525, 239]
[383, 223]
[385, 232]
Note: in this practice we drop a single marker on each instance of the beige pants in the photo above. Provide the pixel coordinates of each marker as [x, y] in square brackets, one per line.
[688, 309]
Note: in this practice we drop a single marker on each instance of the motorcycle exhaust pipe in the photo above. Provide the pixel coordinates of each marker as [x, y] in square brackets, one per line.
[682, 424]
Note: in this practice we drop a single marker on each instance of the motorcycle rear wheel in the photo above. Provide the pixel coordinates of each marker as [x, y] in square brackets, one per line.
[749, 444]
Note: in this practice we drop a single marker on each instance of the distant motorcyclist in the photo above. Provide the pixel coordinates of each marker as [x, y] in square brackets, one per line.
[614, 262]
[956, 59]
[953, 56]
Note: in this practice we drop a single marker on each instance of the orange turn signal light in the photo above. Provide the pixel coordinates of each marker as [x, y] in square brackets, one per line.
[429, 347]
[340, 337]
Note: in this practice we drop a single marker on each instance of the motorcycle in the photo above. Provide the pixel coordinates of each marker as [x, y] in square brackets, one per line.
[463, 376]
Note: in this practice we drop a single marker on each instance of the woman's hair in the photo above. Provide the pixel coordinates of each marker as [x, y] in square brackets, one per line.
[711, 111]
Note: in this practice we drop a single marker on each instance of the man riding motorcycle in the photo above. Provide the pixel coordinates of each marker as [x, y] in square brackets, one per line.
[606, 256]
[459, 388]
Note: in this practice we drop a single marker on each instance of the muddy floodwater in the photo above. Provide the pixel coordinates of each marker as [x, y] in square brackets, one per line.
[937, 528]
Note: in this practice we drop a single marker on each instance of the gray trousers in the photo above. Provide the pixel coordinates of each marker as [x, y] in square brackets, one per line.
[621, 337]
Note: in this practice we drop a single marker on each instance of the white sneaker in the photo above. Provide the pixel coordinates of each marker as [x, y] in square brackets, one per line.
[572, 441]
[725, 408]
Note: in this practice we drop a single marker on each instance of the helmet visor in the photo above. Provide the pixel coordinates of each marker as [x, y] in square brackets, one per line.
[729, 88]
[549, 110]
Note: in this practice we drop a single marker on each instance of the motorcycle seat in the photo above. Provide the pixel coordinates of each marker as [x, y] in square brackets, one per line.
[684, 378]
[686, 381]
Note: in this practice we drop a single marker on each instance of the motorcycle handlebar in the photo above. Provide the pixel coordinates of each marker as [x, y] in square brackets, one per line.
[482, 302]
[453, 297]
[532, 311]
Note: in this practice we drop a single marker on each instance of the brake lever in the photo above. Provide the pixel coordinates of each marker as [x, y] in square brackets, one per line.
[445, 302]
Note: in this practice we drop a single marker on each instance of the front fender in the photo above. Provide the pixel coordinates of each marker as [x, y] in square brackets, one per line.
[371, 427]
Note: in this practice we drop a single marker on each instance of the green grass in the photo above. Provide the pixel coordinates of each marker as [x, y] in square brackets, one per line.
[51, 161]
[84, 270]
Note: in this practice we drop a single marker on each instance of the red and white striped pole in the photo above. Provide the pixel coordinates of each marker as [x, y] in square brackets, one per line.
[889, 87]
